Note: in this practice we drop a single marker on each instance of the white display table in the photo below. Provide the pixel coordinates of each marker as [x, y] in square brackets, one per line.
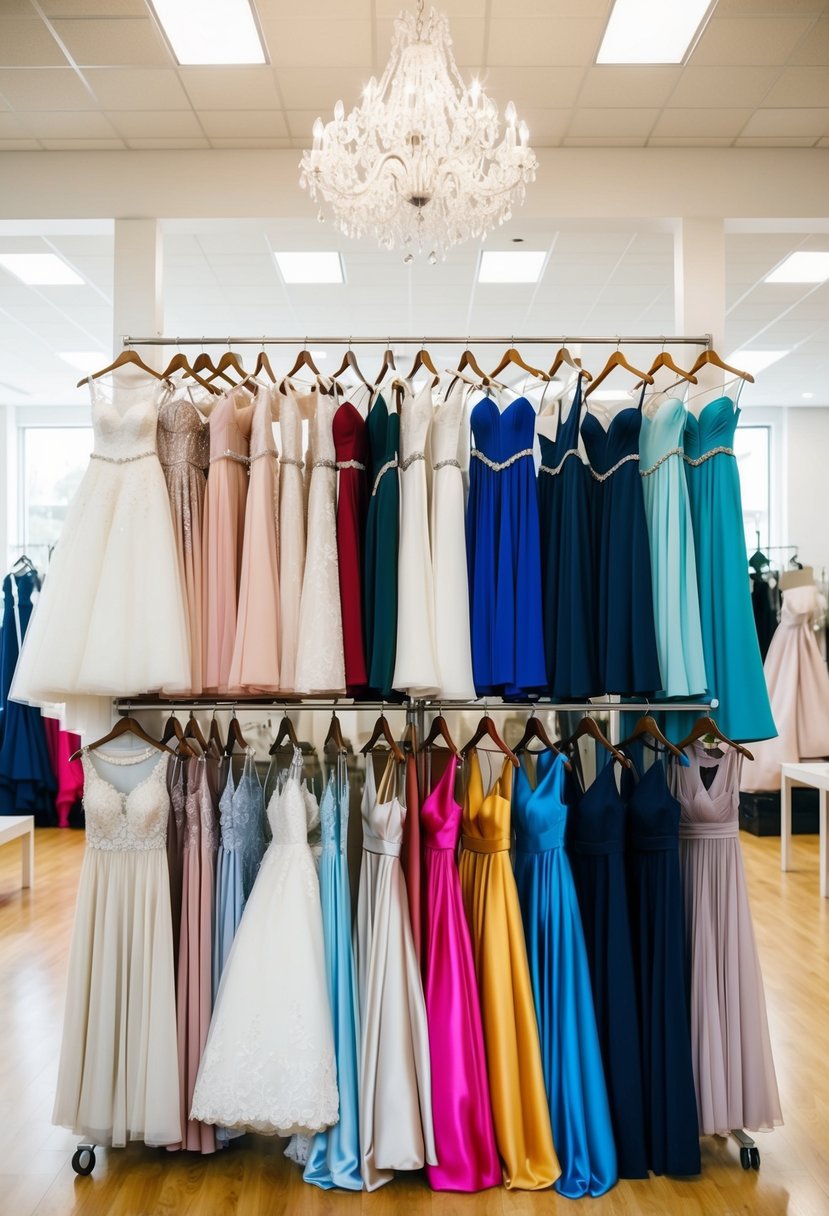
[22, 828]
[816, 775]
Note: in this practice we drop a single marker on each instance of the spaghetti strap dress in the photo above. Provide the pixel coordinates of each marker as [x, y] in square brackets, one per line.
[381, 551]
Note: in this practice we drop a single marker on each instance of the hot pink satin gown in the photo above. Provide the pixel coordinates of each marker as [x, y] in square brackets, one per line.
[461, 1109]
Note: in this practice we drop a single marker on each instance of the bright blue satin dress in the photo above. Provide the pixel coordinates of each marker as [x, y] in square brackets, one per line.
[334, 1155]
[573, 1071]
[729, 635]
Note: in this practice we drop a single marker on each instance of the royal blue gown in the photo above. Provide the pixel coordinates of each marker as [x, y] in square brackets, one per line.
[596, 845]
[626, 636]
[27, 782]
[572, 1059]
[334, 1155]
[729, 636]
[656, 902]
[567, 561]
[503, 551]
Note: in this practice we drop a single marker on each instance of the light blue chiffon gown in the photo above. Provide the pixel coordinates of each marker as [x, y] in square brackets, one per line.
[242, 845]
[573, 1071]
[334, 1154]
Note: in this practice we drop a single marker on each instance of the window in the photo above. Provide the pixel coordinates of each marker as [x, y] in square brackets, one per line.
[752, 448]
[53, 460]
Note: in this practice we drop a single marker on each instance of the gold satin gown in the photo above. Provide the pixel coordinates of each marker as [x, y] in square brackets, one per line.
[516, 1078]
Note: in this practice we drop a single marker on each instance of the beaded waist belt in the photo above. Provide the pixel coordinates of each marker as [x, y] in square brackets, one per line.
[120, 459]
[698, 460]
[498, 466]
[545, 468]
[228, 454]
[351, 464]
[381, 473]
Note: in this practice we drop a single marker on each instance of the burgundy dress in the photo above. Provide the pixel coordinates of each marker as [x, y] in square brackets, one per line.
[351, 446]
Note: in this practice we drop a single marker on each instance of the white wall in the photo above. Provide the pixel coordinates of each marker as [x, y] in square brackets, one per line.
[806, 484]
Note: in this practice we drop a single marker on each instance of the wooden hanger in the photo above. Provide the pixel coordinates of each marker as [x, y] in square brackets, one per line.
[286, 731]
[214, 735]
[486, 730]
[263, 364]
[232, 360]
[514, 356]
[303, 359]
[350, 362]
[710, 358]
[335, 735]
[424, 359]
[388, 365]
[382, 730]
[124, 726]
[173, 730]
[563, 356]
[589, 727]
[193, 731]
[439, 729]
[126, 357]
[234, 736]
[663, 359]
[534, 729]
[180, 363]
[617, 359]
[705, 726]
[408, 740]
[468, 360]
[647, 725]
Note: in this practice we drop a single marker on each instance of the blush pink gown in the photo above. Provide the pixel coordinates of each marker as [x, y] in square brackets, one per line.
[461, 1109]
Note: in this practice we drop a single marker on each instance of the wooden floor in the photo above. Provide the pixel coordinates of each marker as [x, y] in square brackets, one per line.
[36, 1176]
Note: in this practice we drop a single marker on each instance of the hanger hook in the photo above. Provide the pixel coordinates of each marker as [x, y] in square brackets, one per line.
[202, 344]
[618, 342]
[305, 347]
[228, 343]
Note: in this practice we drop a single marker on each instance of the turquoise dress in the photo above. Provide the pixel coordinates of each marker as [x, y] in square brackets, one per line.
[732, 652]
[673, 562]
[334, 1154]
[562, 992]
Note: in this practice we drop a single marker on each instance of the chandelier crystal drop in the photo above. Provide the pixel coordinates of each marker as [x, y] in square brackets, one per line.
[423, 161]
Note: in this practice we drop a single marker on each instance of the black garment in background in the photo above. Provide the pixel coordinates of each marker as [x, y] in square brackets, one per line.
[764, 602]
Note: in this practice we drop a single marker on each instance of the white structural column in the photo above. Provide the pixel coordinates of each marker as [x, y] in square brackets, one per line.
[138, 302]
[699, 291]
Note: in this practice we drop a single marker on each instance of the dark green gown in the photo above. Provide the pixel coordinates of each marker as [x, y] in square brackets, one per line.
[382, 530]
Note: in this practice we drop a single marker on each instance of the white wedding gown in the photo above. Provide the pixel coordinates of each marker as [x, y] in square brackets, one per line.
[268, 1064]
[111, 618]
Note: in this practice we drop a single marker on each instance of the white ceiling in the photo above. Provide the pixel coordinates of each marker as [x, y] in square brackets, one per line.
[96, 74]
[220, 278]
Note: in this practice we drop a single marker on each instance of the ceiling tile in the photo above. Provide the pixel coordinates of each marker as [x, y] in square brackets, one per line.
[717, 86]
[230, 88]
[808, 86]
[823, 143]
[813, 48]
[534, 86]
[452, 8]
[26, 42]
[605, 141]
[94, 8]
[11, 126]
[319, 88]
[106, 43]
[241, 142]
[772, 8]
[137, 88]
[749, 40]
[260, 124]
[83, 145]
[316, 8]
[151, 124]
[19, 145]
[642, 85]
[64, 124]
[800, 122]
[468, 42]
[300, 123]
[547, 127]
[308, 43]
[549, 8]
[159, 143]
[691, 141]
[613, 122]
[701, 122]
[545, 41]
[44, 89]
[775, 141]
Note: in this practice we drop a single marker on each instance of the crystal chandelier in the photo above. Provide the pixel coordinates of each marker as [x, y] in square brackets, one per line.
[422, 161]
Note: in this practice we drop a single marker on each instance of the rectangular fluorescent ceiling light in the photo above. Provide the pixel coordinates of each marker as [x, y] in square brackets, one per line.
[805, 266]
[651, 31]
[511, 266]
[85, 360]
[41, 269]
[755, 361]
[311, 267]
[210, 31]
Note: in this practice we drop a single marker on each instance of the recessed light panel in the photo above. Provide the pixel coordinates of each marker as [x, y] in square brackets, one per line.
[651, 31]
[314, 266]
[511, 265]
[210, 31]
[755, 361]
[805, 266]
[41, 269]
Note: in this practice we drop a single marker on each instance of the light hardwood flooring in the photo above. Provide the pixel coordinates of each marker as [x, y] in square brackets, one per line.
[36, 1177]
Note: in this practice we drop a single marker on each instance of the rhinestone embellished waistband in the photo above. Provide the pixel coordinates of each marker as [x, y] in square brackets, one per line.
[227, 454]
[325, 464]
[498, 466]
[446, 464]
[613, 468]
[381, 472]
[299, 464]
[351, 464]
[267, 452]
[661, 461]
[698, 460]
[404, 464]
[544, 468]
[120, 459]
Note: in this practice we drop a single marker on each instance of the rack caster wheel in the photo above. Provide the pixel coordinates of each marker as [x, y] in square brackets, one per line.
[745, 1158]
[83, 1161]
[755, 1158]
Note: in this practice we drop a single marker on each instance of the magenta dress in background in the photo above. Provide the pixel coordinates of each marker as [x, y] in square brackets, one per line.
[461, 1109]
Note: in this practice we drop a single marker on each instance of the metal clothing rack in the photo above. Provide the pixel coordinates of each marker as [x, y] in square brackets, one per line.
[414, 340]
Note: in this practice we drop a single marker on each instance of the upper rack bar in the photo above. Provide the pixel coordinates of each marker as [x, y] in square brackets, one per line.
[415, 340]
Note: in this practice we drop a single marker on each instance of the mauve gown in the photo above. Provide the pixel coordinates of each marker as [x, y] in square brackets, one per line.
[351, 447]
[461, 1108]
[224, 532]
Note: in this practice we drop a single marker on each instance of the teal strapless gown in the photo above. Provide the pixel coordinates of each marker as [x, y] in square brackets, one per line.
[673, 563]
[562, 992]
[732, 652]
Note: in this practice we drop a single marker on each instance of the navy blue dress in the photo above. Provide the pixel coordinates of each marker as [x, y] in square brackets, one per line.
[671, 1124]
[567, 562]
[626, 638]
[596, 844]
[27, 782]
[503, 551]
